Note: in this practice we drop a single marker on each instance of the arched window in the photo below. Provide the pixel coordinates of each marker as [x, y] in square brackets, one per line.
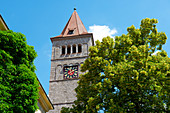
[77, 64]
[63, 50]
[79, 48]
[68, 49]
[70, 64]
[64, 65]
[74, 48]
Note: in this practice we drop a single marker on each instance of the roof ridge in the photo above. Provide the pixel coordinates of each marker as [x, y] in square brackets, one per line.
[74, 26]
[76, 23]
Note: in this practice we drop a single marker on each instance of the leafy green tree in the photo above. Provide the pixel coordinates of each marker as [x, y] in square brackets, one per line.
[124, 75]
[18, 82]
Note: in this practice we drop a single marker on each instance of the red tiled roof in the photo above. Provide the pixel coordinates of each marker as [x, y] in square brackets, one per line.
[75, 25]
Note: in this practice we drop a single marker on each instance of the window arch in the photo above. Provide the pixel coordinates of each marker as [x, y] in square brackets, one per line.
[64, 65]
[77, 64]
[63, 50]
[70, 64]
[79, 48]
[68, 49]
[74, 48]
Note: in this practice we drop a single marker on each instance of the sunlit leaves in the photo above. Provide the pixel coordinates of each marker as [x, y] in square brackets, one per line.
[18, 82]
[124, 75]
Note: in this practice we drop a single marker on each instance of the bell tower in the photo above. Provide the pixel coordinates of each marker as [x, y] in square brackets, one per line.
[69, 51]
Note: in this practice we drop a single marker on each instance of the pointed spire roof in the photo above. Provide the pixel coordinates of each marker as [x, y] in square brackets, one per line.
[74, 26]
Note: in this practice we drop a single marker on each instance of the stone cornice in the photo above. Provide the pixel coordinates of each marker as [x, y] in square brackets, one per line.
[64, 103]
[65, 58]
[63, 80]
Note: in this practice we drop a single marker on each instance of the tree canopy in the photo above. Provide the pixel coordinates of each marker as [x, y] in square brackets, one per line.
[18, 82]
[123, 75]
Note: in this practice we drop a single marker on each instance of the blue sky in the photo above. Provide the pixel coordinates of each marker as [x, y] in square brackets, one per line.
[41, 19]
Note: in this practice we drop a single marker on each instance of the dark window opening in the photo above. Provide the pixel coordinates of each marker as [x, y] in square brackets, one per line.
[79, 48]
[74, 48]
[63, 50]
[71, 32]
[68, 49]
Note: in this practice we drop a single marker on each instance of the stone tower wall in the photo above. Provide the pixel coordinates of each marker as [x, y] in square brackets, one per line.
[61, 92]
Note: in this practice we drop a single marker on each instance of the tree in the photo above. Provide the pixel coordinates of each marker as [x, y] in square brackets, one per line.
[18, 82]
[124, 75]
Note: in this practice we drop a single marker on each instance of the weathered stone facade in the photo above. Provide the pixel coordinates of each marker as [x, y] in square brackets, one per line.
[61, 91]
[69, 49]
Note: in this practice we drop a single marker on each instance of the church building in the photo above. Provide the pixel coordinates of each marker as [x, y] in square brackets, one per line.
[69, 51]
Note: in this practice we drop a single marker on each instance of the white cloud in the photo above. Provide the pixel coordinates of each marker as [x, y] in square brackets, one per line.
[101, 31]
[155, 53]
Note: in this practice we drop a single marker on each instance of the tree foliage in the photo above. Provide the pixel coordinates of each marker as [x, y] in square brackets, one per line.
[18, 82]
[123, 75]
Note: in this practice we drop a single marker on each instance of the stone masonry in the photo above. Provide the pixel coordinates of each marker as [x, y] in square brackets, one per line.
[61, 92]
[70, 48]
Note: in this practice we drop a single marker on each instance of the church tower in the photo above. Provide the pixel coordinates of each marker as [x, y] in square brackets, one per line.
[69, 51]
